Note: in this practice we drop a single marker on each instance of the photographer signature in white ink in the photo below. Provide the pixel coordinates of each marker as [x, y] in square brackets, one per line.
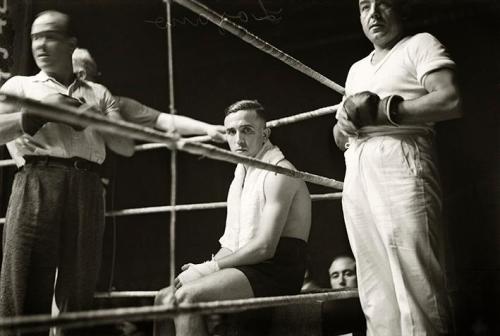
[273, 16]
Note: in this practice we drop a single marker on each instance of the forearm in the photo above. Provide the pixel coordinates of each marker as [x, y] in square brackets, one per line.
[223, 252]
[119, 145]
[184, 125]
[433, 107]
[252, 253]
[10, 127]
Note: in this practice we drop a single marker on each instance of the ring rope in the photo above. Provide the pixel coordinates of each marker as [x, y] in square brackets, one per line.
[104, 316]
[272, 123]
[6, 163]
[199, 206]
[204, 138]
[303, 116]
[125, 294]
[257, 42]
[130, 130]
[191, 207]
[216, 153]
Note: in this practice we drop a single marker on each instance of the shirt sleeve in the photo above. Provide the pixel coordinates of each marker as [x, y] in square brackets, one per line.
[11, 86]
[135, 112]
[107, 103]
[428, 54]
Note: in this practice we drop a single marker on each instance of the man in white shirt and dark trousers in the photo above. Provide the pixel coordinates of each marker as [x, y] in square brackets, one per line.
[55, 217]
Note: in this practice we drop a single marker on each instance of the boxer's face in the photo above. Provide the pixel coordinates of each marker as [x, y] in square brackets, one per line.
[246, 132]
[380, 21]
[343, 273]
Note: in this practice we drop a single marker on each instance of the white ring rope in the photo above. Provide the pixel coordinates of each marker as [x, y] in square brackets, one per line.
[205, 138]
[7, 163]
[104, 316]
[257, 42]
[192, 207]
[130, 130]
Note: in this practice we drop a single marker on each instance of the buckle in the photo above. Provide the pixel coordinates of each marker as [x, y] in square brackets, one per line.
[81, 165]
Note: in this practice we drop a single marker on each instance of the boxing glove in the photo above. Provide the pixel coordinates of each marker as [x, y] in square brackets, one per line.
[367, 109]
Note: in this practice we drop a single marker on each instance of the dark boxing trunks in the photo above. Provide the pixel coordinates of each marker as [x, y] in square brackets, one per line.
[281, 275]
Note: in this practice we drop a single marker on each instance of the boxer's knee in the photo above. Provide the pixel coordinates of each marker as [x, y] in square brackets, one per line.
[188, 294]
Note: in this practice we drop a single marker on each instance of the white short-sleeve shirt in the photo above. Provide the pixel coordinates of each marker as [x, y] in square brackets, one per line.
[58, 139]
[401, 72]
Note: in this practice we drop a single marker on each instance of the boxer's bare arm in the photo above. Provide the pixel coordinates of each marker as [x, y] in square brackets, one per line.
[188, 126]
[222, 253]
[279, 191]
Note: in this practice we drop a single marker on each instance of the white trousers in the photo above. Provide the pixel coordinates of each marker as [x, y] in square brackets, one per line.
[392, 209]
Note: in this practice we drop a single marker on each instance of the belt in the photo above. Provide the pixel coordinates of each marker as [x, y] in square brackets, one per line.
[73, 162]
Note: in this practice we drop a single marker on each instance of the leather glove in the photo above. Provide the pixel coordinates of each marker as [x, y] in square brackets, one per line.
[32, 123]
[197, 271]
[366, 109]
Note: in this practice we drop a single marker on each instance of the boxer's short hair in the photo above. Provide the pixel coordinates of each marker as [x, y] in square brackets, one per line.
[247, 104]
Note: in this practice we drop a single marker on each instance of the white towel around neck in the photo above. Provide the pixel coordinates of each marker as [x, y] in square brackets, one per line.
[246, 199]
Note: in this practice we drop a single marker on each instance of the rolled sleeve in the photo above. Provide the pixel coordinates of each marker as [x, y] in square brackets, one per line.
[428, 55]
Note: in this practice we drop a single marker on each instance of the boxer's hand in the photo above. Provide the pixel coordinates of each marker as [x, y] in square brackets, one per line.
[366, 108]
[196, 271]
[188, 275]
[207, 267]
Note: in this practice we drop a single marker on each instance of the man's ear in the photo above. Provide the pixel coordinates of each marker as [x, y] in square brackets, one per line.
[267, 133]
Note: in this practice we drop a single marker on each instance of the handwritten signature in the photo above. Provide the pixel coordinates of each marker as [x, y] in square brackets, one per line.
[273, 16]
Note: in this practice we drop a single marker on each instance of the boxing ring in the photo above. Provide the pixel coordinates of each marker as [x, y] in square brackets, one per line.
[158, 140]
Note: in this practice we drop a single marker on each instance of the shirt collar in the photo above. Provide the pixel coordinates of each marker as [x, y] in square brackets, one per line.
[43, 77]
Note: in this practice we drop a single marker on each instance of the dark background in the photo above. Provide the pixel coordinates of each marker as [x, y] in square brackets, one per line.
[213, 69]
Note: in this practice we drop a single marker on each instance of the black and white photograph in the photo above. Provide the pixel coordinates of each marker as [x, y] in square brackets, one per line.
[250, 167]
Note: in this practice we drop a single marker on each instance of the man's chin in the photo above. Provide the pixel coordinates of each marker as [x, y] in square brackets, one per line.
[45, 66]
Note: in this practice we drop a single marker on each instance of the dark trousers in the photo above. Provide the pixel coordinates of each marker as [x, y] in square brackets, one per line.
[55, 219]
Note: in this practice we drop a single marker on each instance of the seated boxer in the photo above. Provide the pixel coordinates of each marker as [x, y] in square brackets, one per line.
[263, 249]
